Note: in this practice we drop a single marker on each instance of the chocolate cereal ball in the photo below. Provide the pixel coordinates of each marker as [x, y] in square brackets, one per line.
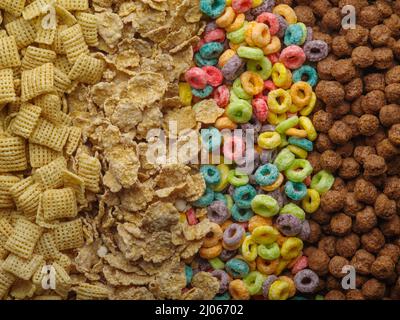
[332, 201]
[373, 140]
[330, 160]
[382, 268]
[368, 124]
[321, 217]
[373, 101]
[365, 191]
[365, 220]
[324, 67]
[386, 149]
[328, 245]
[394, 134]
[344, 70]
[313, 158]
[352, 121]
[393, 23]
[362, 261]
[323, 143]
[354, 295]
[332, 283]
[379, 35]
[369, 17]
[374, 165]
[393, 75]
[335, 295]
[349, 168]
[384, 7]
[357, 36]
[383, 58]
[389, 114]
[332, 19]
[384, 207]
[340, 47]
[318, 261]
[347, 246]
[373, 289]
[362, 57]
[373, 241]
[392, 93]
[353, 89]
[390, 250]
[330, 92]
[336, 265]
[340, 224]
[374, 81]
[320, 7]
[339, 110]
[322, 121]
[361, 153]
[351, 205]
[305, 15]
[340, 132]
[345, 150]
[356, 106]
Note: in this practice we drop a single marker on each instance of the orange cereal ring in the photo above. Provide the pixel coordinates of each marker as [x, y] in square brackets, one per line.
[227, 223]
[281, 239]
[267, 267]
[273, 46]
[257, 220]
[238, 290]
[212, 252]
[252, 82]
[260, 35]
[227, 18]
[292, 286]
[225, 56]
[225, 123]
[237, 23]
[213, 237]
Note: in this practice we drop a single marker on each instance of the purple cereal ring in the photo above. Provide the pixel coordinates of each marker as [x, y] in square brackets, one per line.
[249, 16]
[267, 127]
[223, 278]
[232, 68]
[201, 265]
[279, 197]
[210, 26]
[316, 50]
[305, 231]
[233, 235]
[218, 212]
[310, 33]
[267, 284]
[226, 255]
[289, 225]
[306, 281]
[266, 6]
[282, 26]
[267, 156]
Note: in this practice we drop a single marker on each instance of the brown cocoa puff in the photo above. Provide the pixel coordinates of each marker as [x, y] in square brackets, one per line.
[305, 15]
[309, 250]
[324, 68]
[332, 201]
[352, 121]
[373, 140]
[383, 58]
[351, 205]
[354, 295]
[386, 149]
[362, 57]
[345, 150]
[321, 217]
[328, 245]
[393, 165]
[384, 207]
[377, 181]
[368, 124]
[382, 268]
[340, 47]
[394, 134]
[335, 266]
[349, 168]
[373, 241]
[373, 289]
[313, 158]
[379, 35]
[373, 101]
[332, 20]
[374, 165]
[323, 143]
[320, 7]
[339, 110]
[339, 185]
[340, 132]
[395, 46]
[391, 227]
[361, 153]
[323, 37]
[384, 8]
[353, 89]
[315, 232]
[330, 92]
[389, 114]
[393, 23]
[392, 93]
[335, 295]
[365, 220]
[365, 191]
[356, 107]
[393, 75]
[390, 250]
[322, 121]
[340, 224]
[318, 261]
[347, 245]
[332, 283]
[357, 36]
[369, 17]
[374, 81]
[330, 160]
[357, 4]
[344, 70]
[362, 261]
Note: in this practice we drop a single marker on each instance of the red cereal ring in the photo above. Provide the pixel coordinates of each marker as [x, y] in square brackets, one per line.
[213, 75]
[191, 217]
[274, 58]
[198, 45]
[300, 264]
[196, 77]
[216, 35]
[268, 86]
[241, 6]
[270, 20]
[292, 57]
[260, 109]
[221, 96]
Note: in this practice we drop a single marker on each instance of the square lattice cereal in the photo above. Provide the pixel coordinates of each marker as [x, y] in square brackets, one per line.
[12, 154]
[51, 107]
[50, 176]
[22, 268]
[26, 119]
[69, 235]
[87, 70]
[14, 7]
[40, 155]
[73, 5]
[23, 32]
[58, 204]
[6, 281]
[74, 43]
[6, 200]
[89, 169]
[73, 140]
[7, 89]
[28, 201]
[46, 246]
[46, 134]
[35, 57]
[37, 81]
[34, 9]
[9, 56]
[88, 23]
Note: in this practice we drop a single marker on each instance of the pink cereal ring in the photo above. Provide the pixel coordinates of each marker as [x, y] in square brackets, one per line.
[216, 35]
[221, 96]
[213, 75]
[269, 85]
[270, 20]
[292, 57]
[274, 58]
[300, 264]
[233, 148]
[191, 217]
[260, 109]
[198, 45]
[241, 6]
[196, 77]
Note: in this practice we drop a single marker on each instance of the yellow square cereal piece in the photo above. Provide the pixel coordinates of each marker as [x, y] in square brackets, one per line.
[79, 5]
[87, 69]
[9, 56]
[6, 230]
[23, 32]
[34, 9]
[23, 240]
[73, 140]
[46, 246]
[18, 188]
[3, 33]
[13, 7]
[51, 107]
[45, 36]
[58, 204]
[69, 235]
[6, 281]
[71, 180]
[46, 134]
[35, 57]
[37, 81]
[6, 200]
[50, 176]
[12, 154]
[61, 81]
[87, 291]
[28, 201]
[7, 90]
[89, 169]
[22, 268]
[65, 16]
[26, 120]
[88, 23]
[39, 155]
[74, 43]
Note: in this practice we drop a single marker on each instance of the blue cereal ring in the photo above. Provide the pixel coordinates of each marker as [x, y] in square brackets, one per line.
[243, 196]
[241, 215]
[224, 296]
[267, 174]
[201, 62]
[306, 71]
[211, 138]
[210, 174]
[295, 190]
[294, 34]
[301, 143]
[212, 8]
[188, 274]
[237, 268]
[211, 50]
[206, 199]
[218, 196]
[202, 93]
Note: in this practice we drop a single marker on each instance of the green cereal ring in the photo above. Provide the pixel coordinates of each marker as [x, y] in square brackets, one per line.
[239, 111]
[237, 179]
[237, 36]
[250, 53]
[239, 91]
[254, 281]
[229, 201]
[284, 159]
[294, 210]
[217, 263]
[264, 205]
[269, 251]
[322, 181]
[287, 124]
[294, 174]
[262, 67]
